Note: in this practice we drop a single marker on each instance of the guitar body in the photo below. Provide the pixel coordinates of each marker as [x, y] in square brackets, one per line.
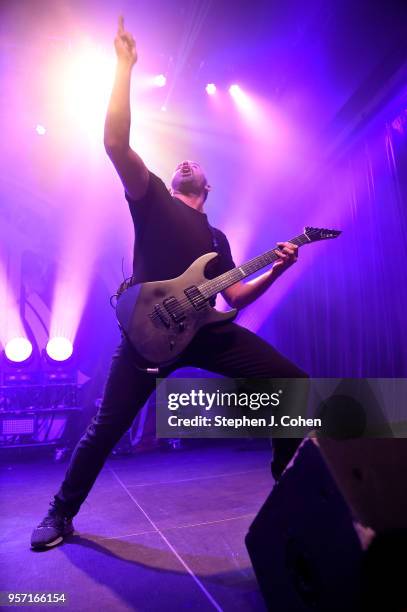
[161, 318]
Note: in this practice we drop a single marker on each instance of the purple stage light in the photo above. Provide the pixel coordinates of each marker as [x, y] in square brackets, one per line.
[11, 327]
[84, 86]
[59, 348]
[160, 80]
[234, 90]
[210, 89]
[13, 427]
[243, 101]
[18, 349]
[40, 129]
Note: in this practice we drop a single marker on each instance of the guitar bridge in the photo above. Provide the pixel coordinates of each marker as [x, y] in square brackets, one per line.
[174, 309]
[159, 312]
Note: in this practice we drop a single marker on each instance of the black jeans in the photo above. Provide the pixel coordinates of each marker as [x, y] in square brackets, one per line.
[226, 349]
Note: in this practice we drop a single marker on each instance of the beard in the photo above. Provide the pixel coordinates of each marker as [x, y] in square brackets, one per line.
[188, 184]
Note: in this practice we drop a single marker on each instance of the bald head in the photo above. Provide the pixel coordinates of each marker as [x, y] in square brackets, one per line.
[189, 178]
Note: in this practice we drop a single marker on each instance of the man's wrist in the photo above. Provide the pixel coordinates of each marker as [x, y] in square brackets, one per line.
[275, 272]
[124, 65]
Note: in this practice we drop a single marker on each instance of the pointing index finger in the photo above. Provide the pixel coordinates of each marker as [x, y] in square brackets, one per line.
[121, 24]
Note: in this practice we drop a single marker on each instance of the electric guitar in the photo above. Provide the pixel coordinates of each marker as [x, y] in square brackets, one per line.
[161, 318]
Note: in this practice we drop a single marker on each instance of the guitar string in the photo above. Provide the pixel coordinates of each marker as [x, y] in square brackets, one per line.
[249, 268]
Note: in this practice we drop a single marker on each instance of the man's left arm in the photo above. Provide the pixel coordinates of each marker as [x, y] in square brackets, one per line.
[242, 294]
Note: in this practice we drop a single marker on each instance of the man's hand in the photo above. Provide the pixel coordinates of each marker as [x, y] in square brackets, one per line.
[242, 294]
[129, 165]
[125, 45]
[288, 254]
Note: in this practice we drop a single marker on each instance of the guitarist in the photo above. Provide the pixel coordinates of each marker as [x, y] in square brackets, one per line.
[171, 230]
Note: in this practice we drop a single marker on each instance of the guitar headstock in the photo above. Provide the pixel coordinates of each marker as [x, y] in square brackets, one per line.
[316, 233]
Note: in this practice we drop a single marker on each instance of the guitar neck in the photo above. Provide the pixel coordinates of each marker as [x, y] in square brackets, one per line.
[215, 285]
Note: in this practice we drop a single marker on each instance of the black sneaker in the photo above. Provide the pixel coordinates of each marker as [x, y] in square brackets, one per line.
[52, 530]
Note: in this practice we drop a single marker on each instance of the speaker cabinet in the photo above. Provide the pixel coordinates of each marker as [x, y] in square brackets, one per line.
[303, 546]
[371, 476]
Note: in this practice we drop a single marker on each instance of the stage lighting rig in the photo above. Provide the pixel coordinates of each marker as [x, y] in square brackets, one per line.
[59, 349]
[40, 398]
[18, 350]
[58, 361]
[160, 80]
[19, 363]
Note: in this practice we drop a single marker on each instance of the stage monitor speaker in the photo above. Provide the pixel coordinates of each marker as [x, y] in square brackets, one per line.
[371, 476]
[303, 546]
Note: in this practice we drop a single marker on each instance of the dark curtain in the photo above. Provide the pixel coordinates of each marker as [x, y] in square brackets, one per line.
[348, 318]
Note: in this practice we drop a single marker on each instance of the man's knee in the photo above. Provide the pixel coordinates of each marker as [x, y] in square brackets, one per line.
[99, 431]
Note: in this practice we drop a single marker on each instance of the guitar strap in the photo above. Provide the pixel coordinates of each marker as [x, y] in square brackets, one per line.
[215, 241]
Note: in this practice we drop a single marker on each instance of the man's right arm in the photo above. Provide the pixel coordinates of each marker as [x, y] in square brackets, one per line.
[129, 166]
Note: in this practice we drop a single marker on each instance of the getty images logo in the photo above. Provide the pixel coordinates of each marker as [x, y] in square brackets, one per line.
[203, 399]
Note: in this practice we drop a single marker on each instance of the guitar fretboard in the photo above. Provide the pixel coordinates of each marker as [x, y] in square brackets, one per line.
[215, 285]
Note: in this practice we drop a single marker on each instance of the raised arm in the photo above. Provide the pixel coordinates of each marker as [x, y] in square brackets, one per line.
[129, 166]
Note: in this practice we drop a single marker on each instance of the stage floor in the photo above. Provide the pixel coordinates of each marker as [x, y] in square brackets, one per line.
[159, 531]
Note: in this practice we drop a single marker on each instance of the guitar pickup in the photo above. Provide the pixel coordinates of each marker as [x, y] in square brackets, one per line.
[196, 298]
[174, 309]
[161, 314]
